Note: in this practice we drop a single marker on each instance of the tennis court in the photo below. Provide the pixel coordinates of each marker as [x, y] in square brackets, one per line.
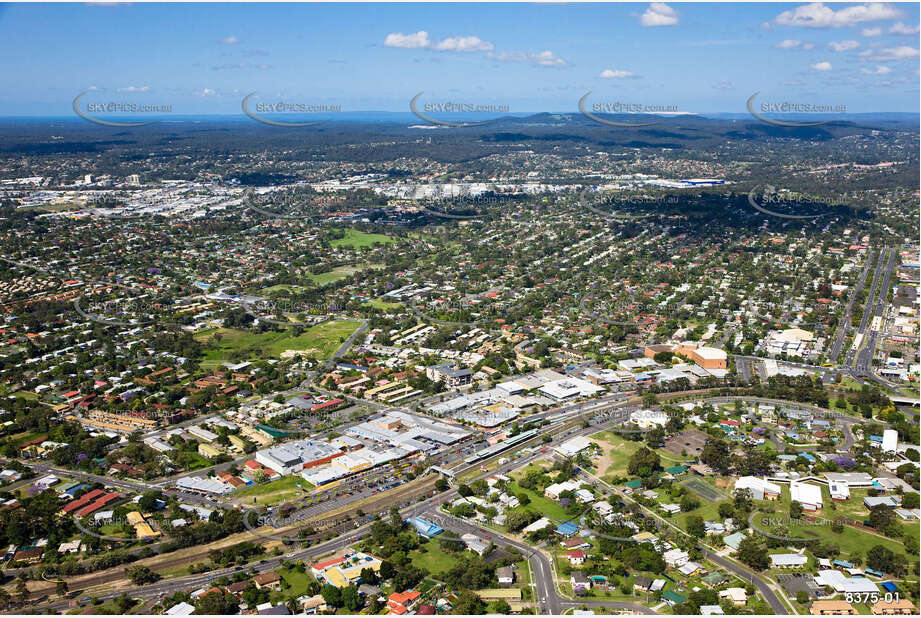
[705, 491]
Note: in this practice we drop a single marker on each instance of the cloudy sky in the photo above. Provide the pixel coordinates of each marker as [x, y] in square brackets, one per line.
[204, 58]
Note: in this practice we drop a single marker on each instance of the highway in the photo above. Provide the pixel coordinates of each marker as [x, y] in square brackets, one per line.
[863, 363]
[860, 360]
[844, 325]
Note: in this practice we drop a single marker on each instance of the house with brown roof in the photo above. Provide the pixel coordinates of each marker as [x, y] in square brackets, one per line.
[832, 608]
[28, 555]
[267, 580]
[896, 607]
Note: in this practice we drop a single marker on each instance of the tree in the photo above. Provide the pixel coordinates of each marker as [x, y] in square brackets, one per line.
[725, 510]
[464, 491]
[802, 597]
[695, 526]
[500, 607]
[663, 358]
[396, 520]
[655, 437]
[22, 590]
[879, 558]
[386, 571]
[60, 588]
[643, 462]
[331, 595]
[716, 454]
[742, 500]
[140, 575]
[796, 510]
[148, 501]
[5, 599]
[910, 500]
[753, 553]
[689, 502]
[523, 498]
[468, 603]
[368, 576]
[880, 517]
[441, 484]
[350, 598]
[216, 603]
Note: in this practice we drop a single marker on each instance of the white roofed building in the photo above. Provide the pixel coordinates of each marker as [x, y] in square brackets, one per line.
[809, 496]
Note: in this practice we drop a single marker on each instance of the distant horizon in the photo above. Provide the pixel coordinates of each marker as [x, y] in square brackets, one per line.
[416, 119]
[205, 58]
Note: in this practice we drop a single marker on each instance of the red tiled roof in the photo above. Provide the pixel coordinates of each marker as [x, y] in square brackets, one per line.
[320, 566]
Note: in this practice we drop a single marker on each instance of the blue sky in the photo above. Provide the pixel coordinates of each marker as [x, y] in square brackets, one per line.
[203, 58]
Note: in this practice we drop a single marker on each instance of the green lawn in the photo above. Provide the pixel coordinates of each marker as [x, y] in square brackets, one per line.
[273, 492]
[294, 583]
[112, 530]
[618, 453]
[383, 305]
[282, 287]
[357, 239]
[433, 559]
[539, 503]
[318, 341]
[852, 541]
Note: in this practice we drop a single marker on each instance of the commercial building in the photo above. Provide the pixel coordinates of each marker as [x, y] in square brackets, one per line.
[573, 446]
[648, 419]
[760, 489]
[788, 561]
[809, 496]
[708, 358]
[890, 440]
[568, 388]
[449, 374]
[294, 456]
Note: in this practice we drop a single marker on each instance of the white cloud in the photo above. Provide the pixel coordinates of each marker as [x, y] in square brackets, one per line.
[463, 44]
[616, 74]
[659, 14]
[868, 32]
[417, 40]
[900, 28]
[821, 66]
[903, 52]
[134, 89]
[788, 44]
[879, 70]
[840, 46]
[808, 46]
[205, 92]
[421, 40]
[723, 85]
[231, 40]
[817, 15]
[545, 58]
